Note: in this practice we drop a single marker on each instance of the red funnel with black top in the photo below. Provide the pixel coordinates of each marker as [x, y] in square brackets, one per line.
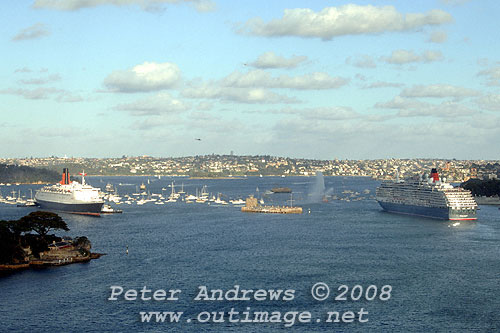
[65, 177]
[434, 175]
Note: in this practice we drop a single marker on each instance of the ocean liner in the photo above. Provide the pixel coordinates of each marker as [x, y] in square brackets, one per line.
[430, 197]
[70, 196]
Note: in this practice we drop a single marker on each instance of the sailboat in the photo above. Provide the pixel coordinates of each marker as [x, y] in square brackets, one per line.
[173, 196]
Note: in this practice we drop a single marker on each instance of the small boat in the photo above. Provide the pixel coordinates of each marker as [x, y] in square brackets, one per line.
[107, 209]
[237, 202]
[219, 201]
[109, 187]
[281, 190]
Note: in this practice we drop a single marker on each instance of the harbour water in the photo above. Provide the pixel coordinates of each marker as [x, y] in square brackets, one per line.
[444, 276]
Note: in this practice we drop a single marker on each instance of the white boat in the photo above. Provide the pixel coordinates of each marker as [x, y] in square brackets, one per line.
[107, 209]
[191, 197]
[173, 196]
[237, 202]
[220, 201]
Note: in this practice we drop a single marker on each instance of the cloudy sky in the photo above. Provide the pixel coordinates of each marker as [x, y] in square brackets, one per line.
[313, 79]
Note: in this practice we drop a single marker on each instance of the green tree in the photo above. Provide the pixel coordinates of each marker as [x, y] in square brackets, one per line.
[82, 242]
[10, 249]
[42, 222]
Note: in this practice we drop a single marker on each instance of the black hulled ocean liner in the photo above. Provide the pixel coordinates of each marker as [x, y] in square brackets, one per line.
[70, 196]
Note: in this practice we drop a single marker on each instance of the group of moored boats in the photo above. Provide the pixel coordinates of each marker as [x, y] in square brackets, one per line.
[82, 198]
[16, 199]
[428, 197]
[144, 197]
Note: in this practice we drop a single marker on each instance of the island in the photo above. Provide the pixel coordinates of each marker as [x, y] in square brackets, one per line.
[252, 206]
[26, 243]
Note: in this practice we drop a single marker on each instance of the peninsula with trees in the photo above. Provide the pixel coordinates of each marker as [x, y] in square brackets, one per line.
[10, 173]
[28, 242]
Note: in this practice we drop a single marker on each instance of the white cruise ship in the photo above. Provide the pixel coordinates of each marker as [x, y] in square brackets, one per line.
[70, 196]
[430, 197]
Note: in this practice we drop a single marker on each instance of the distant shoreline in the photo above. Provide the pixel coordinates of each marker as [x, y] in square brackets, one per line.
[186, 177]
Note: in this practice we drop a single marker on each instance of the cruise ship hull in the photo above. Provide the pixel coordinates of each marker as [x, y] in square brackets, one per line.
[442, 213]
[85, 208]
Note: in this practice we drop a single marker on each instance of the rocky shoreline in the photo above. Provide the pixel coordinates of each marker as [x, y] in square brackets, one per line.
[41, 263]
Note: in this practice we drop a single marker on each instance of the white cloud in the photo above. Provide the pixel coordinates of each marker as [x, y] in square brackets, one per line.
[149, 76]
[205, 6]
[400, 57]
[254, 86]
[42, 80]
[23, 70]
[68, 97]
[154, 105]
[489, 102]
[39, 93]
[365, 61]
[263, 79]
[333, 113]
[349, 19]
[271, 60]
[60, 95]
[438, 37]
[150, 5]
[438, 91]
[450, 110]
[204, 106]
[492, 75]
[35, 31]
[215, 125]
[240, 95]
[454, 2]
[399, 102]
[382, 84]
[409, 107]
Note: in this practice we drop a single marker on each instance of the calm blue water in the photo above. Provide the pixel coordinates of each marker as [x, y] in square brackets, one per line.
[443, 277]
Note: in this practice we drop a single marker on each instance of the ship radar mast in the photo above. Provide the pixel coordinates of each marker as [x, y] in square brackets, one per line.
[83, 174]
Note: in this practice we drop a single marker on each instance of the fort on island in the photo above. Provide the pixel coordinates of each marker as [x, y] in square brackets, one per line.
[26, 243]
[252, 206]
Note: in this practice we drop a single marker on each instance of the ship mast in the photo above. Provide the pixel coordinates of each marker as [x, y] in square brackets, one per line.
[83, 174]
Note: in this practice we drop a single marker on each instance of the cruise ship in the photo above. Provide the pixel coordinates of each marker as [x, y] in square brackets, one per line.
[70, 196]
[427, 197]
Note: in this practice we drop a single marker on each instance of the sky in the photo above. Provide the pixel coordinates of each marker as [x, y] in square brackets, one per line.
[303, 79]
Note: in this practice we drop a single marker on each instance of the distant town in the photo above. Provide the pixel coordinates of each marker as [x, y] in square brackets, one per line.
[240, 166]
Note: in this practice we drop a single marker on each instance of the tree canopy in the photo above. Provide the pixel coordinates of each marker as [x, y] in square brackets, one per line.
[15, 236]
[26, 174]
[42, 222]
[483, 187]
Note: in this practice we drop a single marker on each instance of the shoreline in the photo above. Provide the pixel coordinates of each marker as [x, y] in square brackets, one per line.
[41, 263]
[188, 177]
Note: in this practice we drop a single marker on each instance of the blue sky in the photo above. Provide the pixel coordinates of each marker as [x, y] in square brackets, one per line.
[313, 79]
